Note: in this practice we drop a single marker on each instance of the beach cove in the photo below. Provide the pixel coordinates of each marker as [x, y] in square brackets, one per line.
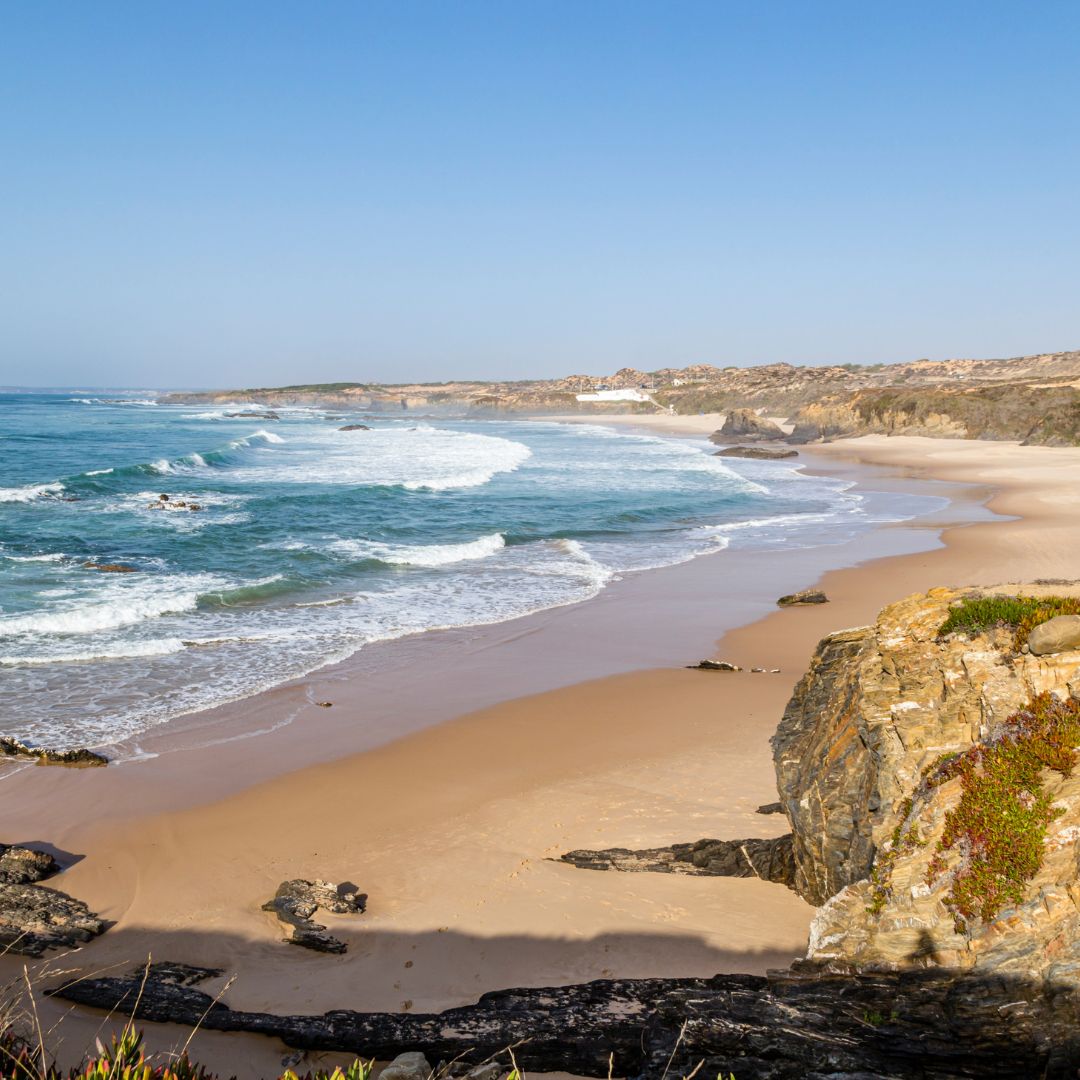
[451, 827]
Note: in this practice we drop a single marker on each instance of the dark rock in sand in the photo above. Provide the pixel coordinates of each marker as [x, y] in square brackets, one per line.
[756, 453]
[354, 427]
[21, 866]
[770, 808]
[807, 596]
[713, 665]
[770, 860]
[82, 756]
[296, 901]
[110, 568]
[796, 1025]
[34, 918]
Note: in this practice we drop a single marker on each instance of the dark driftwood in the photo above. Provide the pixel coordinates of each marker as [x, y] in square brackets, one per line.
[918, 1024]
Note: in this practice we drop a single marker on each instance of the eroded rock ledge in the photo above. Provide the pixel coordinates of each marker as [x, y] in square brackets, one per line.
[790, 1026]
[771, 860]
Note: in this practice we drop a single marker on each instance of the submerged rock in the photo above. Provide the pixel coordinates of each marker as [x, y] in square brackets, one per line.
[756, 453]
[354, 427]
[79, 757]
[253, 416]
[807, 596]
[297, 900]
[110, 568]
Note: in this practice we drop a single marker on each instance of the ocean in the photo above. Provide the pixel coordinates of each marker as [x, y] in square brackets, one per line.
[311, 542]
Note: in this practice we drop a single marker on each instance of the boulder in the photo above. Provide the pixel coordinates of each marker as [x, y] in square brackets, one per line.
[756, 453]
[1060, 634]
[745, 424]
[354, 427]
[408, 1066]
[713, 665]
[807, 596]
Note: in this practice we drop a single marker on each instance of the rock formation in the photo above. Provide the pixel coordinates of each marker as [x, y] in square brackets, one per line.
[862, 757]
[929, 1025]
[771, 860]
[745, 424]
[807, 596]
[296, 901]
[1056, 635]
[757, 453]
[32, 917]
[79, 757]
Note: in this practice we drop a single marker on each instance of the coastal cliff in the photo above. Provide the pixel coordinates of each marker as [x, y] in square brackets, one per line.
[1030, 399]
[927, 778]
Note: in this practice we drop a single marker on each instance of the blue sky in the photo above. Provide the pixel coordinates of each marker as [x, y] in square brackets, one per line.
[197, 194]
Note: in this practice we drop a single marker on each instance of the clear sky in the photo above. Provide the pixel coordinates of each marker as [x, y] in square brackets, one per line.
[211, 194]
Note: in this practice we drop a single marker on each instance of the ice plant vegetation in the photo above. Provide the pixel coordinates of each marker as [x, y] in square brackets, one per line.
[998, 827]
[1021, 613]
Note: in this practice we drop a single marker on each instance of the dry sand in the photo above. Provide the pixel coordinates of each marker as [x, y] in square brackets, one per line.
[451, 828]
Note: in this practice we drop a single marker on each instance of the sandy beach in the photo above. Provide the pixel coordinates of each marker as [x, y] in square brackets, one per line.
[451, 828]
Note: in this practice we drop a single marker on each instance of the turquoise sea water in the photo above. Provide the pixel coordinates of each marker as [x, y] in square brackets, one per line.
[311, 542]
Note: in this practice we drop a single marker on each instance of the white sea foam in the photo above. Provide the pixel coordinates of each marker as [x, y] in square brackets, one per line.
[53, 556]
[420, 554]
[125, 651]
[116, 604]
[29, 493]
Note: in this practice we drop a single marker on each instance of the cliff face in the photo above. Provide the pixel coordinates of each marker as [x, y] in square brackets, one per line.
[861, 760]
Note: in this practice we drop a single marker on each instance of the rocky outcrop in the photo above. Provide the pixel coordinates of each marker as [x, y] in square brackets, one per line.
[32, 917]
[756, 453]
[22, 866]
[745, 424]
[110, 568]
[770, 860]
[253, 416]
[714, 665]
[296, 901]
[354, 427]
[787, 1026]
[807, 596]
[859, 757]
[80, 757]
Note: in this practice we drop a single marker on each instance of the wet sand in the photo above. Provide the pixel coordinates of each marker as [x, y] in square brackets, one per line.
[451, 827]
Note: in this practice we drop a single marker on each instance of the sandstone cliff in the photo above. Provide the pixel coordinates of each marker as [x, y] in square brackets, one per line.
[884, 759]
